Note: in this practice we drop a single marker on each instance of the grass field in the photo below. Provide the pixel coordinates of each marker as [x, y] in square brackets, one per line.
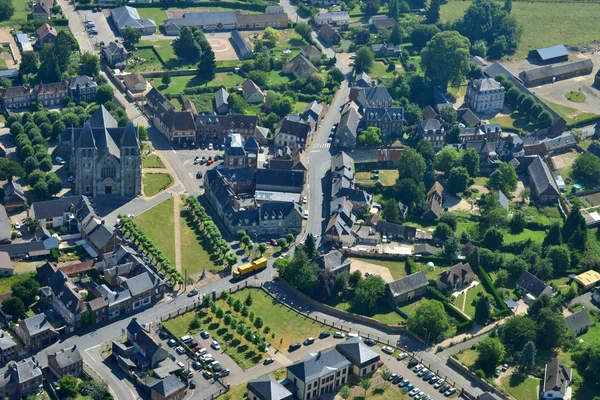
[162, 47]
[6, 283]
[203, 102]
[536, 236]
[571, 115]
[515, 120]
[152, 161]
[154, 183]
[147, 61]
[468, 357]
[472, 295]
[158, 224]
[575, 97]
[300, 106]
[578, 24]
[409, 308]
[286, 324]
[21, 12]
[387, 177]
[179, 83]
[194, 252]
[521, 388]
[277, 78]
[379, 70]
[383, 313]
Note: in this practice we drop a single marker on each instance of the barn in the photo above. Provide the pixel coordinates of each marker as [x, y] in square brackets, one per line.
[552, 54]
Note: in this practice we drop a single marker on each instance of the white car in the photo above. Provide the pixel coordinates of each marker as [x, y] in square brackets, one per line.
[305, 214]
[180, 350]
[401, 356]
[414, 392]
[304, 199]
[387, 349]
[60, 160]
[17, 225]
[210, 146]
[19, 234]
[215, 345]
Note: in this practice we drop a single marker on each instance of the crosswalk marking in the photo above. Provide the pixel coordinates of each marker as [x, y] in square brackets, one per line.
[322, 145]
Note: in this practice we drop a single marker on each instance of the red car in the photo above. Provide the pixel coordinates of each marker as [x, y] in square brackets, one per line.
[209, 162]
[274, 242]
[379, 363]
[197, 348]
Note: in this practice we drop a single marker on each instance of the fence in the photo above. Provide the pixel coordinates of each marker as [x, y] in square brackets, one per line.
[466, 371]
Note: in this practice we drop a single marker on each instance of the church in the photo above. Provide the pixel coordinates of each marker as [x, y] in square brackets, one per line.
[104, 158]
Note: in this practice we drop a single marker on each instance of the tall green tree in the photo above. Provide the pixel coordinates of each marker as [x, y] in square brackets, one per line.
[445, 59]
[49, 71]
[368, 294]
[430, 321]
[411, 165]
[458, 180]
[390, 211]
[64, 45]
[364, 60]
[491, 354]
[7, 10]
[503, 178]
[370, 136]
[89, 64]
[586, 169]
[185, 46]
[482, 309]
[470, 160]
[208, 65]
[433, 11]
[527, 360]
[131, 37]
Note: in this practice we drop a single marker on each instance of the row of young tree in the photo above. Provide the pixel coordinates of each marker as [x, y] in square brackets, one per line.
[526, 104]
[137, 236]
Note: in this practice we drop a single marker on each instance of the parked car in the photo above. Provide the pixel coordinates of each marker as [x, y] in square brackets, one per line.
[210, 146]
[450, 392]
[274, 242]
[163, 335]
[188, 373]
[409, 387]
[370, 342]
[17, 225]
[60, 160]
[204, 335]
[422, 372]
[181, 365]
[199, 175]
[294, 346]
[412, 363]
[180, 350]
[171, 343]
[186, 339]
[413, 392]
[209, 162]
[439, 383]
[339, 335]
[305, 214]
[324, 334]
[304, 199]
[497, 372]
[403, 383]
[418, 368]
[401, 356]
[433, 379]
[392, 377]
[387, 349]
[192, 384]
[207, 374]
[196, 365]
[444, 388]
[224, 372]
[268, 361]
[308, 341]
[215, 345]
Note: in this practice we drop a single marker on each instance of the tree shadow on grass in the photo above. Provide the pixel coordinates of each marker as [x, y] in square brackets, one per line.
[378, 391]
[222, 331]
[214, 326]
[516, 379]
[250, 355]
[234, 343]
[242, 349]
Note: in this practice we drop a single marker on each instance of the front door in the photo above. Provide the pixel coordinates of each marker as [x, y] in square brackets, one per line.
[107, 189]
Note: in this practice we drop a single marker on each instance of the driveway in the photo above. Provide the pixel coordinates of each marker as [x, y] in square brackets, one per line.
[586, 301]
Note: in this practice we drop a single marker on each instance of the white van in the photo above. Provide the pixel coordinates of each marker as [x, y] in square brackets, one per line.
[186, 339]
[201, 352]
[181, 365]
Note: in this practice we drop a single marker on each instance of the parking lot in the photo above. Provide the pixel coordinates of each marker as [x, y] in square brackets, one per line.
[100, 20]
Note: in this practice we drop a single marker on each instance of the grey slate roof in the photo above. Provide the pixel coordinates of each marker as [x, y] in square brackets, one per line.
[532, 284]
[241, 45]
[578, 321]
[549, 71]
[67, 357]
[5, 228]
[168, 386]
[36, 324]
[548, 53]
[128, 17]
[541, 176]
[377, 96]
[430, 125]
[271, 177]
[357, 352]
[503, 199]
[267, 388]
[26, 370]
[141, 283]
[486, 84]
[408, 284]
[425, 249]
[313, 366]
[333, 261]
[221, 97]
[6, 341]
[557, 376]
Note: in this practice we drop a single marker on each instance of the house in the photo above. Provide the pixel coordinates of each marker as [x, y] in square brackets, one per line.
[560, 144]
[596, 295]
[485, 96]
[433, 206]
[552, 73]
[311, 52]
[364, 360]
[329, 34]
[377, 96]
[301, 67]
[467, 117]
[347, 130]
[557, 381]
[64, 297]
[381, 50]
[148, 352]
[457, 277]
[8, 348]
[425, 250]
[135, 84]
[433, 131]
[274, 10]
[36, 332]
[578, 323]
[66, 361]
[363, 80]
[292, 131]
[169, 388]
[406, 288]
[176, 126]
[532, 286]
[324, 3]
[46, 34]
[482, 131]
[21, 379]
[314, 113]
[221, 101]
[225, 20]
[52, 214]
[281, 181]
[393, 230]
[267, 388]
[126, 17]
[335, 18]
[42, 9]
[388, 119]
[241, 46]
[115, 54]
[541, 181]
[382, 21]
[83, 88]
[552, 54]
[289, 159]
[46, 94]
[252, 93]
[334, 261]
[6, 266]
[317, 374]
[588, 279]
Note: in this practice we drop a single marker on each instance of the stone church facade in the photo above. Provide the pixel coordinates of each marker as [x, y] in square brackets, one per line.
[104, 158]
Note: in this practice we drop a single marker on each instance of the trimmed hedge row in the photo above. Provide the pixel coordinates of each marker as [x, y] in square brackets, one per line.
[464, 322]
[489, 286]
[583, 122]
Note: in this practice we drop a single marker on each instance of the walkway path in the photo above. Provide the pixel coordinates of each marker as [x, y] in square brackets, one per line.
[176, 207]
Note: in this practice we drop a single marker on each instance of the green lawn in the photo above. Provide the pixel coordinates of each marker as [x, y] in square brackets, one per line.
[571, 115]
[194, 250]
[578, 24]
[154, 183]
[472, 295]
[536, 236]
[162, 47]
[21, 13]
[152, 161]
[387, 177]
[6, 283]
[380, 70]
[203, 102]
[516, 120]
[276, 78]
[575, 97]
[409, 308]
[383, 313]
[468, 357]
[300, 106]
[522, 389]
[286, 324]
[179, 83]
[158, 224]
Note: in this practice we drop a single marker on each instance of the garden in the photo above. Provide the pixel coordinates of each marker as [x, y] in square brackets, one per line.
[155, 183]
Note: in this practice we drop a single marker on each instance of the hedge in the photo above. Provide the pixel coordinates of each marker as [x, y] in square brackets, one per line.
[464, 322]
[489, 286]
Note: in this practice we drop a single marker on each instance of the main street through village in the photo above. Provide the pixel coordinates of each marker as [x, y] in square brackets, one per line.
[94, 342]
